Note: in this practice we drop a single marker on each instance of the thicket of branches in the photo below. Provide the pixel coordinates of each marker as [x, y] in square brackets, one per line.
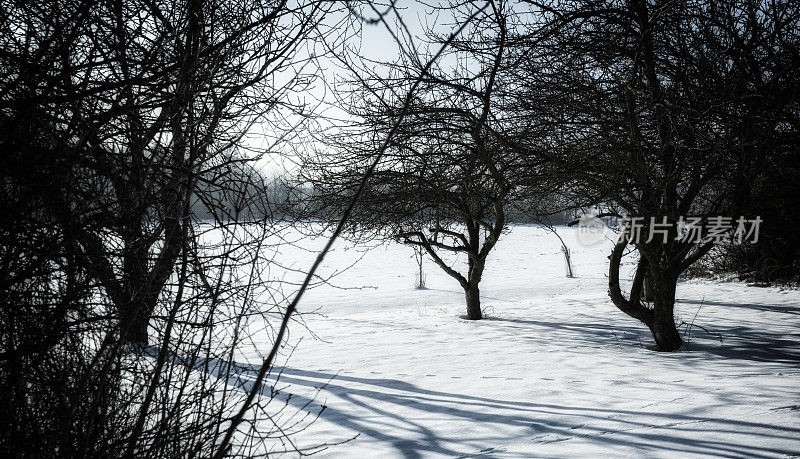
[124, 312]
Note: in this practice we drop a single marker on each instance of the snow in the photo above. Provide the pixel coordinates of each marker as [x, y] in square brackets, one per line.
[554, 371]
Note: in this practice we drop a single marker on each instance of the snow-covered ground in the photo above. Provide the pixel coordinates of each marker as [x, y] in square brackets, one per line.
[554, 371]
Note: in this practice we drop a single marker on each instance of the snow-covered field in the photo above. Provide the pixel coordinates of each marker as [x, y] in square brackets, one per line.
[554, 371]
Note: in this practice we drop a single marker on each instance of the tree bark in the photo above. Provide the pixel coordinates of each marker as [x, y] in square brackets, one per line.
[136, 325]
[473, 301]
[663, 326]
[476, 261]
[632, 307]
[647, 290]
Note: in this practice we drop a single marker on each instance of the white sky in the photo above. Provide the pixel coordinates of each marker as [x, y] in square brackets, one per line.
[374, 42]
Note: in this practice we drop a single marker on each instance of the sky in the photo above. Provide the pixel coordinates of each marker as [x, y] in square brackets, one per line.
[374, 42]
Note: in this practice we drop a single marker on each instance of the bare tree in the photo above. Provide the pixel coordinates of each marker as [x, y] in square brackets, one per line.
[664, 110]
[450, 172]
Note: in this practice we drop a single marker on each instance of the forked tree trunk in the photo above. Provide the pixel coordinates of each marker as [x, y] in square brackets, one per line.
[661, 281]
[660, 319]
[473, 301]
[145, 284]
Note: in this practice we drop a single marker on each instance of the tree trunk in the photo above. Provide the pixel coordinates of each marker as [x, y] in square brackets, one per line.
[473, 301]
[647, 290]
[136, 325]
[663, 326]
[567, 258]
[476, 265]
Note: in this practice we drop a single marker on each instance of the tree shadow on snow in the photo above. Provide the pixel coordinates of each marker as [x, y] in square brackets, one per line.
[382, 408]
[755, 341]
[747, 340]
[394, 412]
[397, 413]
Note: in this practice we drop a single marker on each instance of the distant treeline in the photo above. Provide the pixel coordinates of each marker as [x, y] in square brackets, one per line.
[246, 192]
